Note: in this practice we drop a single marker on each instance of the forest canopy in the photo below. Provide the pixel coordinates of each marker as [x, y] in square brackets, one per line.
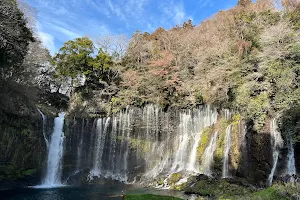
[245, 59]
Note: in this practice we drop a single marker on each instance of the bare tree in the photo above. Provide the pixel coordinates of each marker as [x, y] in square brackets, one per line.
[114, 45]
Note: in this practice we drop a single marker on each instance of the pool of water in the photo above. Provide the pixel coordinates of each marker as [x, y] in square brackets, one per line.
[99, 192]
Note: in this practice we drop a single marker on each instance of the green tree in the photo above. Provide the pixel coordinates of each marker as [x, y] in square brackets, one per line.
[76, 59]
[14, 38]
[101, 65]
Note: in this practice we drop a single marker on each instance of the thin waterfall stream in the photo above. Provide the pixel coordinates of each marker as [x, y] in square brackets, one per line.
[208, 156]
[291, 167]
[277, 143]
[44, 127]
[227, 145]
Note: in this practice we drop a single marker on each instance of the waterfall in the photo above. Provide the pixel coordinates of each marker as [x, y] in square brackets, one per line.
[55, 153]
[44, 127]
[208, 156]
[226, 114]
[227, 145]
[204, 118]
[95, 170]
[126, 158]
[142, 144]
[185, 133]
[99, 148]
[157, 152]
[193, 164]
[79, 148]
[113, 145]
[190, 129]
[291, 167]
[276, 145]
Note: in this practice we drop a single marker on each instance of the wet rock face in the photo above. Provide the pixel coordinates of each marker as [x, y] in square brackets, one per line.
[297, 157]
[257, 159]
[23, 149]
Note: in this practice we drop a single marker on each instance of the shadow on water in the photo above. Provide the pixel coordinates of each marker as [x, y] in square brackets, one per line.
[99, 192]
[65, 193]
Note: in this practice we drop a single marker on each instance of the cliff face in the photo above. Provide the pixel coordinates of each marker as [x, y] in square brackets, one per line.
[148, 144]
[140, 144]
[256, 160]
[22, 145]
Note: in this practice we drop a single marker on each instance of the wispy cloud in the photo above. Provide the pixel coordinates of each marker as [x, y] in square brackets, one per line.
[115, 9]
[206, 3]
[175, 12]
[179, 14]
[67, 32]
[62, 20]
[47, 41]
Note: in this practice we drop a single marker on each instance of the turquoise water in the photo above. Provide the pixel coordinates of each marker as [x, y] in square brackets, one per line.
[99, 192]
[64, 193]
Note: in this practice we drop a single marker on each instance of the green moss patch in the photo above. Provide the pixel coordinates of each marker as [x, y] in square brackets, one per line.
[205, 136]
[217, 188]
[220, 143]
[175, 178]
[269, 193]
[142, 145]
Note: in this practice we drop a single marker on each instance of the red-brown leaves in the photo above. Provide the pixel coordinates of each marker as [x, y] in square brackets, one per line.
[131, 79]
[243, 47]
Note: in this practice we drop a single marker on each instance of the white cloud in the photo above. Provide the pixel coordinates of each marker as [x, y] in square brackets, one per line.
[206, 3]
[175, 12]
[115, 9]
[136, 6]
[98, 5]
[67, 32]
[180, 15]
[47, 41]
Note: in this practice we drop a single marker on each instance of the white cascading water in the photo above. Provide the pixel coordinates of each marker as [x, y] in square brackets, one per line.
[95, 171]
[44, 127]
[226, 114]
[128, 129]
[227, 145]
[185, 128]
[190, 129]
[193, 164]
[291, 167]
[202, 120]
[55, 154]
[143, 143]
[100, 144]
[113, 145]
[208, 156]
[277, 143]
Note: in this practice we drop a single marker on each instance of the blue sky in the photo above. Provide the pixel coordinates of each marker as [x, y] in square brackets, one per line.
[62, 20]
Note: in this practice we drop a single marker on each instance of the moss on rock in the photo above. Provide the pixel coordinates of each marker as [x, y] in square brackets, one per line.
[205, 136]
[235, 148]
[175, 177]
